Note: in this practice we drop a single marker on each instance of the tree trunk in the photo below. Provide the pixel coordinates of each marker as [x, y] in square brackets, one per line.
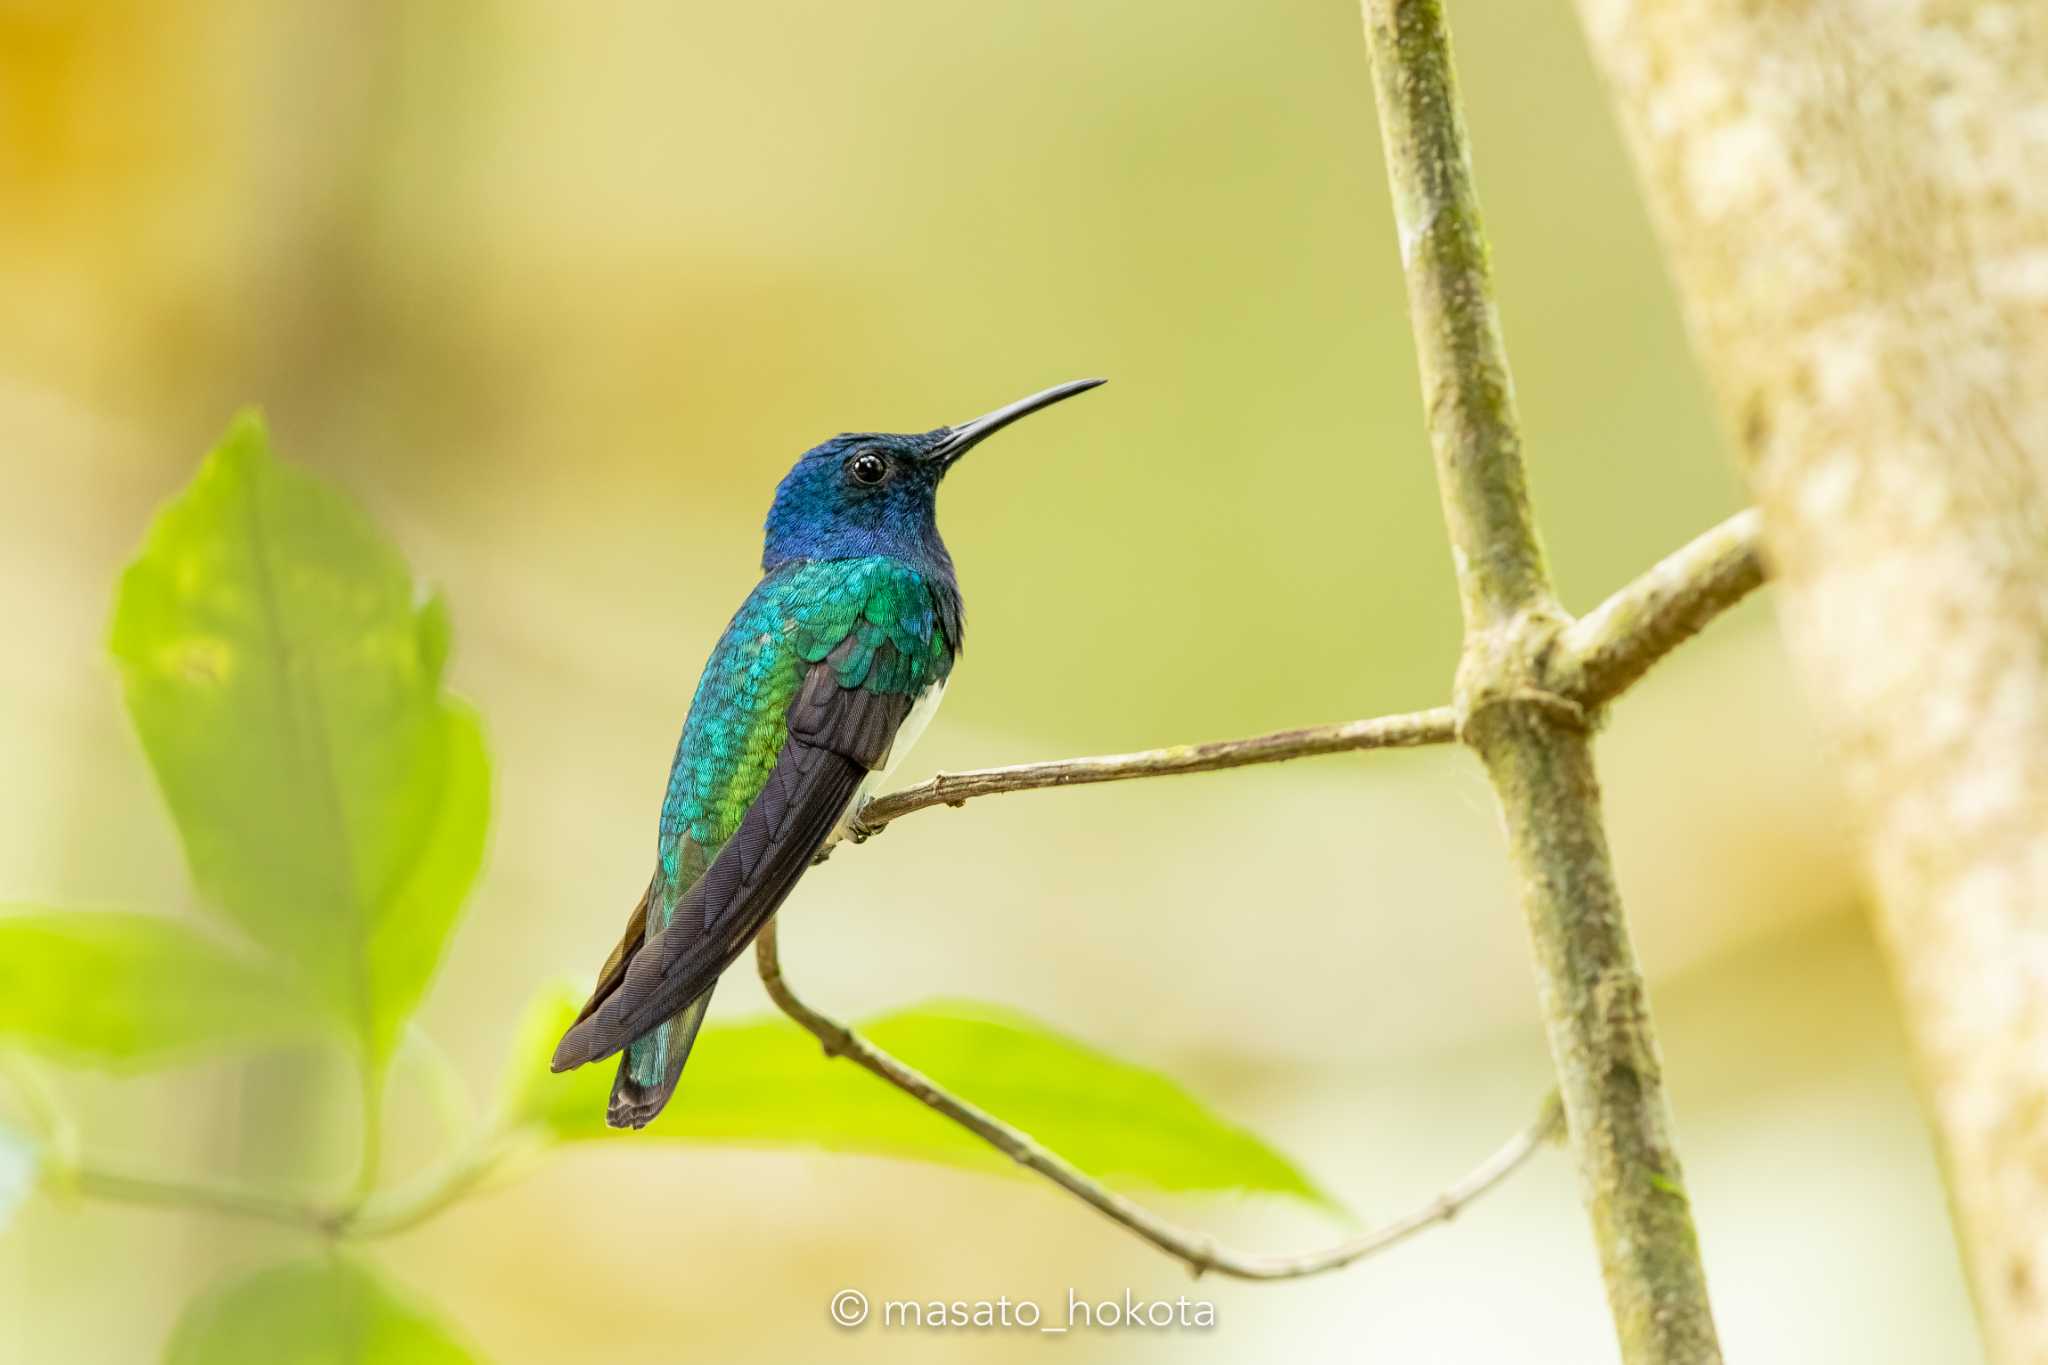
[1854, 198]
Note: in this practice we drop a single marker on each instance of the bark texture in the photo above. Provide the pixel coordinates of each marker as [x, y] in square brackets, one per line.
[1854, 198]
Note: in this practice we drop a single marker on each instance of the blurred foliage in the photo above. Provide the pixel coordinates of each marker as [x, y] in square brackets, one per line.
[286, 683]
[285, 677]
[327, 1312]
[129, 991]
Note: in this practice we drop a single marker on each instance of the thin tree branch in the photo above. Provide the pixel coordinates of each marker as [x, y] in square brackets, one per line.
[1600, 656]
[1199, 1252]
[1518, 714]
[1614, 644]
[1438, 725]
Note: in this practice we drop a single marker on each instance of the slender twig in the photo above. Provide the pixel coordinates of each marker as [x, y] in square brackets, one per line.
[68, 1171]
[238, 1201]
[1615, 643]
[1512, 697]
[382, 1215]
[1436, 726]
[1198, 1251]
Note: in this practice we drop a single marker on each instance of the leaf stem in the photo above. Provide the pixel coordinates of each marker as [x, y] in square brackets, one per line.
[238, 1201]
[382, 1215]
[374, 1072]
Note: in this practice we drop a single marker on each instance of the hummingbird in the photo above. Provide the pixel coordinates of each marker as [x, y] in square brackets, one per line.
[820, 684]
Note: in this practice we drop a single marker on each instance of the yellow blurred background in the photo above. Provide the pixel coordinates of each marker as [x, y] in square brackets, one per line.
[558, 291]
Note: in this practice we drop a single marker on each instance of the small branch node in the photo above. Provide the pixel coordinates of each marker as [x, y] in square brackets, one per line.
[1563, 709]
[1537, 754]
[1612, 646]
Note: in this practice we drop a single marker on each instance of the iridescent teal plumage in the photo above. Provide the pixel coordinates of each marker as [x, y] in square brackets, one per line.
[856, 621]
[795, 617]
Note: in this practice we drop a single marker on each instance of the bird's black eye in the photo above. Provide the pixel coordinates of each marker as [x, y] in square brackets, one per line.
[868, 468]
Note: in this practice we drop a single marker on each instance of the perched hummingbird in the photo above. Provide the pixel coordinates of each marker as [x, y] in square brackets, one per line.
[821, 683]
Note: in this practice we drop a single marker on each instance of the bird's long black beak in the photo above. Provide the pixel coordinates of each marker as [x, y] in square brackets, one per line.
[963, 438]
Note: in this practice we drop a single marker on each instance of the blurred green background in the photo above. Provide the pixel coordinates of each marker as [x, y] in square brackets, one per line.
[558, 291]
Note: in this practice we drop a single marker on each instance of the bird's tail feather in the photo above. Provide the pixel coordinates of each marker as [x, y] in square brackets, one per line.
[651, 1067]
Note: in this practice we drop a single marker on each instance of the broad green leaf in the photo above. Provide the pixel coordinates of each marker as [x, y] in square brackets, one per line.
[416, 918]
[17, 1172]
[131, 991]
[331, 1312]
[767, 1082]
[285, 677]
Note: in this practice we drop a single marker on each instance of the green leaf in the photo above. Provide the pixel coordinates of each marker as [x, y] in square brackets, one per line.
[331, 1312]
[132, 991]
[285, 677]
[18, 1163]
[767, 1082]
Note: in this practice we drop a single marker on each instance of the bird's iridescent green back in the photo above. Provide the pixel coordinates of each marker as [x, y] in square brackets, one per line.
[794, 618]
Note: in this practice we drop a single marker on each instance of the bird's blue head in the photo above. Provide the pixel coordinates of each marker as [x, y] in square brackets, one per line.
[870, 493]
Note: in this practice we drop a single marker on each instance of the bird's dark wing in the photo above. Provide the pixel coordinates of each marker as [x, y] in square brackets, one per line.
[615, 965]
[837, 735]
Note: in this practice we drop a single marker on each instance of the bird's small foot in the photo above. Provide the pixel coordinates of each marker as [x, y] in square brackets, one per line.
[822, 854]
